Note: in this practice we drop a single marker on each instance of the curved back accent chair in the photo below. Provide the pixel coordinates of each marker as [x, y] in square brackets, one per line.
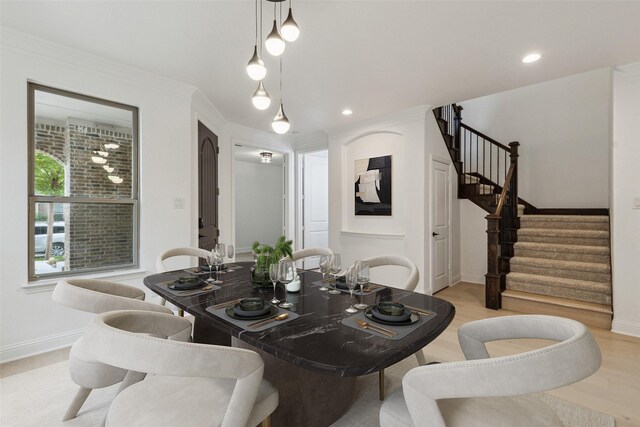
[199, 384]
[311, 252]
[494, 391]
[97, 296]
[174, 252]
[400, 261]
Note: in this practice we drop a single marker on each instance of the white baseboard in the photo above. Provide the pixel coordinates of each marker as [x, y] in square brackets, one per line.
[39, 345]
[472, 278]
[243, 250]
[625, 328]
[455, 279]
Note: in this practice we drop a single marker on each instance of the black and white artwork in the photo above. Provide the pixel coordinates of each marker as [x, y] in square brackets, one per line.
[373, 186]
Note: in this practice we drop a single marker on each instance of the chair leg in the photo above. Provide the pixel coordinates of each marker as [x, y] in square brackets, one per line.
[267, 421]
[130, 379]
[76, 403]
[180, 312]
[420, 356]
[381, 385]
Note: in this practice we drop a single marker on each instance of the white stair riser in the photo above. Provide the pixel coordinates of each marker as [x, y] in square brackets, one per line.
[574, 294]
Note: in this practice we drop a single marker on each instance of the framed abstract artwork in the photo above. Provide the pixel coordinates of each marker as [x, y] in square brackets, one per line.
[372, 178]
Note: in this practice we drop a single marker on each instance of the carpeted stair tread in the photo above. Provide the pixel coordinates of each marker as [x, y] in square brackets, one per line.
[550, 232]
[561, 264]
[559, 282]
[567, 222]
[555, 247]
[567, 218]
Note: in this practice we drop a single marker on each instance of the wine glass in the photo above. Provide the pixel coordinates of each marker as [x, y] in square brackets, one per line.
[230, 253]
[217, 261]
[334, 268]
[352, 280]
[273, 275]
[362, 278]
[286, 274]
[325, 262]
[210, 264]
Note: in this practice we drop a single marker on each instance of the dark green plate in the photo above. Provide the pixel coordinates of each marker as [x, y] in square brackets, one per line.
[230, 311]
[410, 321]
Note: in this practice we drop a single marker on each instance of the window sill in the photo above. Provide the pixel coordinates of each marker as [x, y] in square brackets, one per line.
[47, 285]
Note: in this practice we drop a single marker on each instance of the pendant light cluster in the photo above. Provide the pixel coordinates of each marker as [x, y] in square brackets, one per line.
[99, 156]
[275, 43]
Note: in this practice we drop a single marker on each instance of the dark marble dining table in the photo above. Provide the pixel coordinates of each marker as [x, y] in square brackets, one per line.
[314, 355]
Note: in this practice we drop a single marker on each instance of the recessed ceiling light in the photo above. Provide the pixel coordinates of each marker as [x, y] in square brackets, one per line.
[532, 57]
[347, 112]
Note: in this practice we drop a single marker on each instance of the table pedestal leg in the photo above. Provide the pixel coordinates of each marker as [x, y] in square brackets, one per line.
[307, 398]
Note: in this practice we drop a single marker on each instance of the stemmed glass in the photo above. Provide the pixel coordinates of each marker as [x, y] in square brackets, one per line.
[352, 280]
[334, 268]
[217, 254]
[362, 278]
[286, 274]
[325, 262]
[210, 264]
[230, 252]
[273, 275]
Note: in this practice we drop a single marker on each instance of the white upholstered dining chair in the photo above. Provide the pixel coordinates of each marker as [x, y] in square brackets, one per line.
[170, 253]
[485, 391]
[192, 384]
[409, 285]
[97, 296]
[310, 252]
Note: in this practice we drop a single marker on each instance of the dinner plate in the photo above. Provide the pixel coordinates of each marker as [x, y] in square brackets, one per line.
[251, 313]
[187, 286]
[230, 311]
[375, 312]
[415, 317]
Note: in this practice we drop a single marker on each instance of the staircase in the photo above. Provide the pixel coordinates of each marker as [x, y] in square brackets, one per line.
[543, 261]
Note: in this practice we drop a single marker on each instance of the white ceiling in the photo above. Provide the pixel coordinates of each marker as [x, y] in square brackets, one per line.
[374, 57]
[245, 153]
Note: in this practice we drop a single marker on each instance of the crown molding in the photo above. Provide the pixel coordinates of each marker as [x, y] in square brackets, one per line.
[380, 123]
[311, 142]
[632, 70]
[27, 44]
[206, 111]
[248, 134]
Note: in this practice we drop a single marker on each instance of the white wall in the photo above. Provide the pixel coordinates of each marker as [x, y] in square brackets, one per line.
[625, 213]
[259, 209]
[410, 137]
[473, 246]
[563, 127]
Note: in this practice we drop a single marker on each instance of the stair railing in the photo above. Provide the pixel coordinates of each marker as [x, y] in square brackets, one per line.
[502, 227]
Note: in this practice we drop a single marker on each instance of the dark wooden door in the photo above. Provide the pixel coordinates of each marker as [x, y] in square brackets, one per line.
[207, 188]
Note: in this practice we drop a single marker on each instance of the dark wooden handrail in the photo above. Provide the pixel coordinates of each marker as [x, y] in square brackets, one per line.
[505, 190]
[482, 135]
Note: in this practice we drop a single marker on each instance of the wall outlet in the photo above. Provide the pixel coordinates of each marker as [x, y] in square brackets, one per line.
[178, 203]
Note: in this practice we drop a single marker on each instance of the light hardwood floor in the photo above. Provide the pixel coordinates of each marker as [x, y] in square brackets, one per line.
[614, 389]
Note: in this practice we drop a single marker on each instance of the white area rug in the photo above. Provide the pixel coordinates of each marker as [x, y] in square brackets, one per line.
[40, 398]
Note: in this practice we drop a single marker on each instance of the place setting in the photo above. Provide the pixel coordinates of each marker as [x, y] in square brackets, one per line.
[252, 314]
[388, 319]
[188, 286]
[337, 284]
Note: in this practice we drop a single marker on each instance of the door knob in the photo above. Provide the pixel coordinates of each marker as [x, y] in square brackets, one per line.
[434, 234]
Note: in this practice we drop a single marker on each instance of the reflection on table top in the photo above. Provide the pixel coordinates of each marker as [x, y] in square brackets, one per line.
[316, 340]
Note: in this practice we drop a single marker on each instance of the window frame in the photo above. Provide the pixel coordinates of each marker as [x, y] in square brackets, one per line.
[133, 201]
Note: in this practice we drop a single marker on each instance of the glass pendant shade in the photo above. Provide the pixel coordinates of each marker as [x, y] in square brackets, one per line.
[274, 43]
[280, 123]
[289, 28]
[107, 168]
[255, 67]
[261, 99]
[115, 179]
[98, 159]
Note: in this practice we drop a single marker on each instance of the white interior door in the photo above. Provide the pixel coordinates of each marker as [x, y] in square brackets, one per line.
[315, 203]
[439, 225]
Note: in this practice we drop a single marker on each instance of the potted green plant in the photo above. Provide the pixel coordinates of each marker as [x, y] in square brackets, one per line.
[267, 255]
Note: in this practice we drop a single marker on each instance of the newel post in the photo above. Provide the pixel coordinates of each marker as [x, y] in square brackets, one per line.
[457, 119]
[492, 278]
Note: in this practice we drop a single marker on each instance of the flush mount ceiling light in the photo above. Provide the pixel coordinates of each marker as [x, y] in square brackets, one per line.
[347, 112]
[265, 157]
[532, 57]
